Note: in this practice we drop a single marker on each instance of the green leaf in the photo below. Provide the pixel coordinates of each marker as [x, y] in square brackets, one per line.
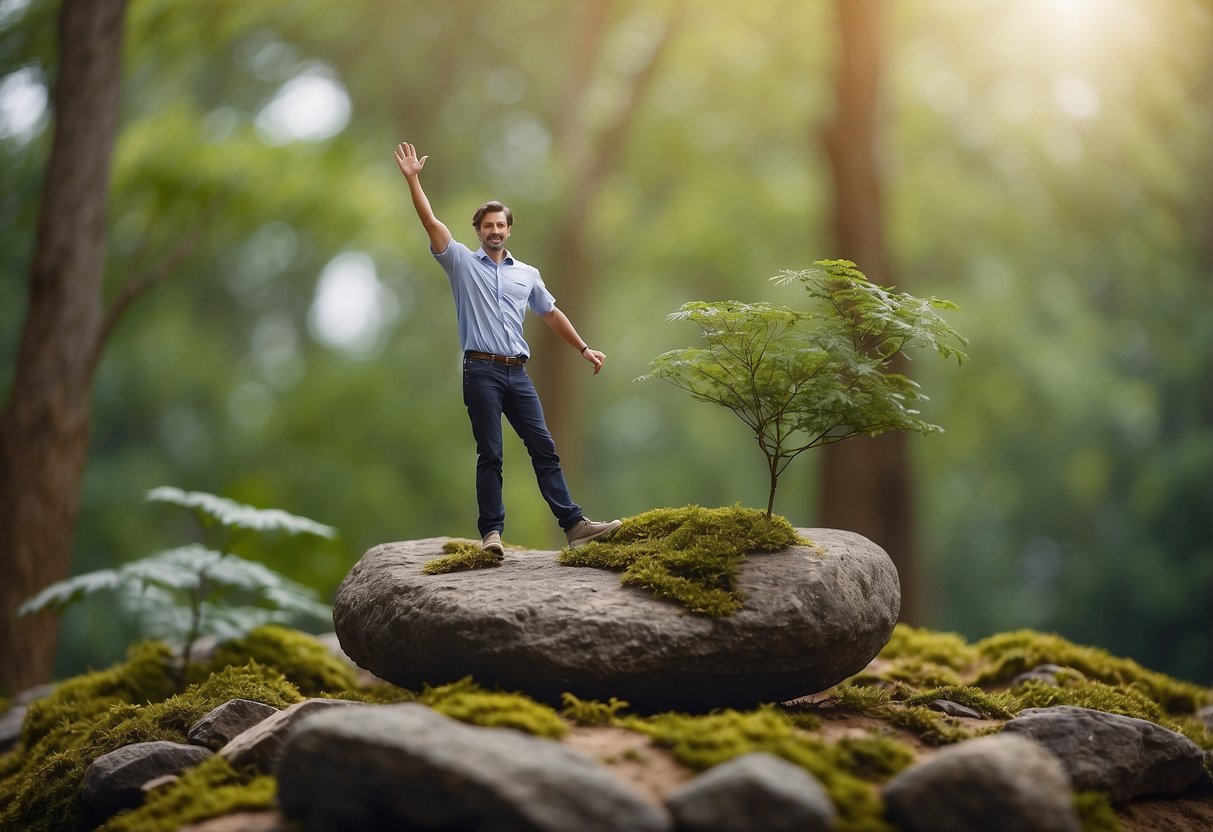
[232, 515]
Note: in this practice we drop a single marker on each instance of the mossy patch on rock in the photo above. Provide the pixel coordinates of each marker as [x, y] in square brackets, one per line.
[1006, 655]
[211, 789]
[461, 556]
[306, 662]
[43, 793]
[468, 702]
[846, 771]
[688, 554]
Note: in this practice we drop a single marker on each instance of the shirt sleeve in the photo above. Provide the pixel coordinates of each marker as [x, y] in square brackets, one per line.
[541, 300]
[456, 253]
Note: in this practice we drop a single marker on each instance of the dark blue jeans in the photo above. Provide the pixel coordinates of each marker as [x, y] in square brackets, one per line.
[491, 389]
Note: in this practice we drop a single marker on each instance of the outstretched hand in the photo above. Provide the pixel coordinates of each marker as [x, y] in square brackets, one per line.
[407, 161]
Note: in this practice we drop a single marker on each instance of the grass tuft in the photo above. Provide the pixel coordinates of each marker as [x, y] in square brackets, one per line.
[591, 711]
[690, 555]
[461, 556]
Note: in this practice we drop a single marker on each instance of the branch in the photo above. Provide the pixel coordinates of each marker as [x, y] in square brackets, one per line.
[139, 285]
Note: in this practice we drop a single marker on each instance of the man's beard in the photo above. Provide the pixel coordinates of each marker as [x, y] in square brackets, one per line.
[495, 245]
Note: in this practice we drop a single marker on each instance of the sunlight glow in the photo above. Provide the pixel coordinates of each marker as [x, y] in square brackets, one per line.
[311, 106]
[23, 104]
[352, 306]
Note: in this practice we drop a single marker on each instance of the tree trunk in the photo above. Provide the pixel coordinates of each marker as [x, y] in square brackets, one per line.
[866, 483]
[588, 161]
[44, 427]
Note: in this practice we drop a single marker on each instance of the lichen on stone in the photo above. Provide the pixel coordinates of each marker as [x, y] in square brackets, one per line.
[690, 554]
[461, 555]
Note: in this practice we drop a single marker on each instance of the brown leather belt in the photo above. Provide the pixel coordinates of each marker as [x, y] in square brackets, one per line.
[511, 360]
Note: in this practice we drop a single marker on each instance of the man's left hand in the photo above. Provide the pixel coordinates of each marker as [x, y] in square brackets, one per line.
[594, 357]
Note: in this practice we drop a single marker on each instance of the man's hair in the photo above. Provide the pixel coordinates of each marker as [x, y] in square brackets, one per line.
[492, 208]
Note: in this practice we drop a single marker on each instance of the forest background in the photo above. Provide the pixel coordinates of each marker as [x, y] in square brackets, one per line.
[1046, 164]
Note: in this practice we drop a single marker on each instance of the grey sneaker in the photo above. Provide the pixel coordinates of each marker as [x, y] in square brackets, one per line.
[586, 530]
[492, 543]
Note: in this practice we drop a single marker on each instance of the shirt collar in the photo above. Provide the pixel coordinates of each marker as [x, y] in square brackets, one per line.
[483, 255]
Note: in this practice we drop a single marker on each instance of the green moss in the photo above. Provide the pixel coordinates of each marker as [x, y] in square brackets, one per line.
[910, 671]
[43, 793]
[905, 708]
[379, 693]
[147, 675]
[688, 554]
[1095, 812]
[462, 555]
[1126, 701]
[210, 790]
[874, 757]
[591, 711]
[860, 698]
[468, 702]
[928, 646]
[1010, 654]
[701, 742]
[303, 659]
[992, 705]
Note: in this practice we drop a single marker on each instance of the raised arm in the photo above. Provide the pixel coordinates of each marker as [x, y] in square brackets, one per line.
[410, 166]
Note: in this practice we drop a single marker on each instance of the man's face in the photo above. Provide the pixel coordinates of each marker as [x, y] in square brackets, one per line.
[493, 231]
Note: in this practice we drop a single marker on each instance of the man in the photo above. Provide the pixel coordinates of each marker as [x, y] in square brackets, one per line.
[492, 292]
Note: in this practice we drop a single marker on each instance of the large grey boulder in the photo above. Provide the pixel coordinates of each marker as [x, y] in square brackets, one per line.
[115, 780]
[1002, 783]
[812, 616]
[408, 767]
[753, 791]
[1120, 755]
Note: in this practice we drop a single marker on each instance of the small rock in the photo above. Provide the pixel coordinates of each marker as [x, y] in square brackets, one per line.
[1003, 783]
[1205, 715]
[261, 745]
[753, 791]
[220, 726]
[1120, 755]
[408, 767]
[115, 780]
[947, 706]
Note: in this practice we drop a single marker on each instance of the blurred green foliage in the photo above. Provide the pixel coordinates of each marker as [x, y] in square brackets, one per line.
[1048, 168]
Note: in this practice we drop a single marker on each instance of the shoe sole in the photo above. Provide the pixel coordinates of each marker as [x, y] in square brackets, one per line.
[581, 541]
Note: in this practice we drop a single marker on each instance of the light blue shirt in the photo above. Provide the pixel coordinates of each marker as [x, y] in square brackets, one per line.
[491, 299]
